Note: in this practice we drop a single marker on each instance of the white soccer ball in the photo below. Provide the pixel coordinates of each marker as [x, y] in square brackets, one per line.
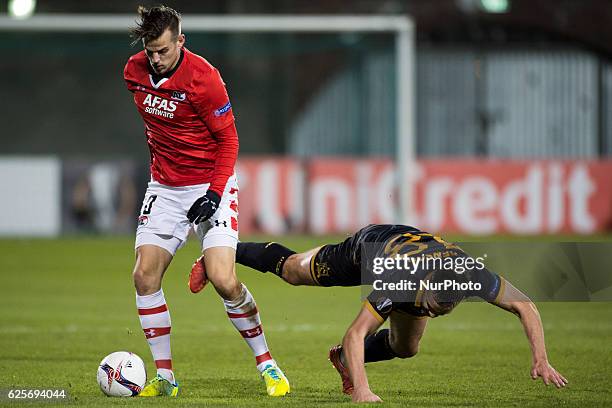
[121, 374]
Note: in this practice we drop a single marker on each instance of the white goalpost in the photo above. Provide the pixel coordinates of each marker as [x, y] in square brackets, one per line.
[401, 26]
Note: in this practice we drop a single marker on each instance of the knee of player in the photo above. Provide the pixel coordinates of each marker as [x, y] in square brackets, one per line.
[408, 353]
[405, 351]
[291, 280]
[228, 289]
[144, 280]
[142, 274]
[290, 273]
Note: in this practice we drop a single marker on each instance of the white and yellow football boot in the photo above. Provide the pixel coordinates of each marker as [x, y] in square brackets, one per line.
[159, 387]
[277, 384]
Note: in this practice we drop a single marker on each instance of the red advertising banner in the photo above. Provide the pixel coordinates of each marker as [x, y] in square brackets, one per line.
[271, 197]
[465, 196]
[521, 197]
[346, 194]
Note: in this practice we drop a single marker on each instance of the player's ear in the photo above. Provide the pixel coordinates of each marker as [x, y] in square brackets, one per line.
[181, 40]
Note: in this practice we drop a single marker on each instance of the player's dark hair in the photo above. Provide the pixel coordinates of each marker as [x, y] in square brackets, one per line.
[153, 22]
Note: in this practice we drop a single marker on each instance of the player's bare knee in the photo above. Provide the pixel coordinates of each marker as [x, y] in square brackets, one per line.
[407, 352]
[404, 348]
[291, 279]
[222, 275]
[290, 273]
[227, 291]
[151, 264]
[226, 284]
[146, 281]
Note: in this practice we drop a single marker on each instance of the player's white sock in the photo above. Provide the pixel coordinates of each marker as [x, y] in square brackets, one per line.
[156, 324]
[243, 314]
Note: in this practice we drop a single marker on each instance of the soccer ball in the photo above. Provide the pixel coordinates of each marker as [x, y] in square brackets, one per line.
[121, 374]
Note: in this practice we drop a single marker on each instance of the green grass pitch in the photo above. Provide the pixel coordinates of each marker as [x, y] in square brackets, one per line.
[67, 303]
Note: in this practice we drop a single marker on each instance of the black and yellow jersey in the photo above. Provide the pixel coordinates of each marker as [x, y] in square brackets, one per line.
[351, 263]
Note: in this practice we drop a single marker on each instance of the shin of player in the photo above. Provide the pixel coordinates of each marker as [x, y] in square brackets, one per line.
[242, 311]
[156, 324]
[239, 304]
[151, 262]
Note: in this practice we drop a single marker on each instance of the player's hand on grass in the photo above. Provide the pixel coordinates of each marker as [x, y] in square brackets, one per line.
[548, 373]
[364, 395]
[204, 207]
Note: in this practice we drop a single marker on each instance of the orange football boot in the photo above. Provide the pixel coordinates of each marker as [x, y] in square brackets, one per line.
[197, 276]
[334, 357]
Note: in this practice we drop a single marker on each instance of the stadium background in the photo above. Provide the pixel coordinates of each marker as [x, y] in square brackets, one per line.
[513, 138]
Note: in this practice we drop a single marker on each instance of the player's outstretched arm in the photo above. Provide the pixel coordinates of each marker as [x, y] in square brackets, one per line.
[514, 301]
[353, 351]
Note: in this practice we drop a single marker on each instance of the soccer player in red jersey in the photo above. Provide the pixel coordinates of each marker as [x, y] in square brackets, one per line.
[193, 143]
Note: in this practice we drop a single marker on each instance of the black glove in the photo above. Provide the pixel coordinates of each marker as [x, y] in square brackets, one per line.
[204, 207]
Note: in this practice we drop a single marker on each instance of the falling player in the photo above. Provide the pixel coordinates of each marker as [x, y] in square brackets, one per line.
[189, 127]
[341, 265]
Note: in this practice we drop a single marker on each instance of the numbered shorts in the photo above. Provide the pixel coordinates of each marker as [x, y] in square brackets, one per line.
[163, 217]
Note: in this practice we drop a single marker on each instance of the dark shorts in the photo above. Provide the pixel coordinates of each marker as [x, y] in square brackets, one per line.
[334, 265]
[340, 264]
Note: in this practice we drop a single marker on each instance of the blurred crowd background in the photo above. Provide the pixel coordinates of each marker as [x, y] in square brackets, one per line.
[513, 103]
